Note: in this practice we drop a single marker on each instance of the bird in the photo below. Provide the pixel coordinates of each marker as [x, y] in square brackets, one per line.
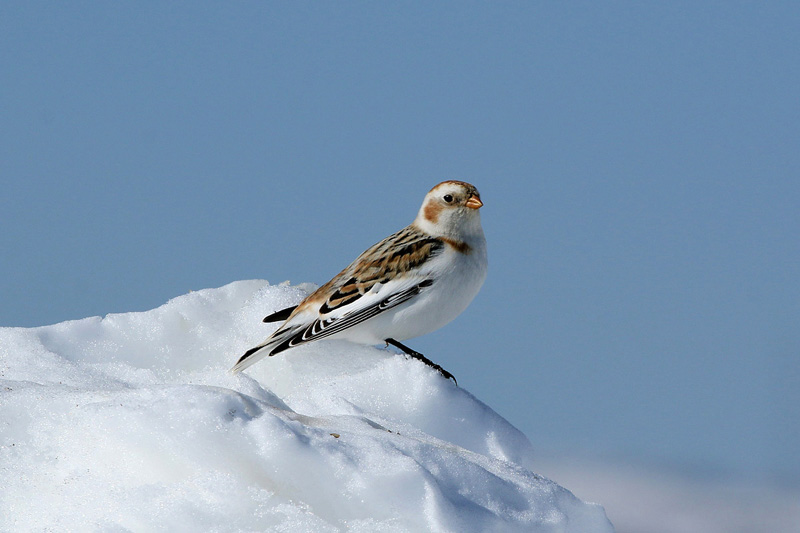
[411, 283]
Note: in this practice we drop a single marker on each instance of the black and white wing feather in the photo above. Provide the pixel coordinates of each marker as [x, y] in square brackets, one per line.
[385, 276]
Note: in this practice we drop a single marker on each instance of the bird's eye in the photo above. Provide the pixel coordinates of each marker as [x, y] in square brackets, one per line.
[447, 198]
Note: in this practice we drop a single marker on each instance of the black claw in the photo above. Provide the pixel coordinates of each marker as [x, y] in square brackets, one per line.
[418, 356]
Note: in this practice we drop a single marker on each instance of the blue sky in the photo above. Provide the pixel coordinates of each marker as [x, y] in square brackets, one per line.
[639, 163]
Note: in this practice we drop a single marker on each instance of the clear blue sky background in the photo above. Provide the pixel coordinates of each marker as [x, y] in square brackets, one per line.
[639, 162]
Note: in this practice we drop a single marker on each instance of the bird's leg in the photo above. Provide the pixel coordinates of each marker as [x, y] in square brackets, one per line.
[420, 357]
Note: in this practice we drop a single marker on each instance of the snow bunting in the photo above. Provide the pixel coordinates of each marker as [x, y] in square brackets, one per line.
[409, 284]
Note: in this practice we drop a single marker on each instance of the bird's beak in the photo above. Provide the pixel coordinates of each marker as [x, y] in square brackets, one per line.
[474, 202]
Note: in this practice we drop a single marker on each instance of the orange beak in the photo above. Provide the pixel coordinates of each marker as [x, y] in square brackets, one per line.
[474, 202]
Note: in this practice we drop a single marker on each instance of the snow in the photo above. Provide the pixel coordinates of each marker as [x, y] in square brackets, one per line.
[131, 422]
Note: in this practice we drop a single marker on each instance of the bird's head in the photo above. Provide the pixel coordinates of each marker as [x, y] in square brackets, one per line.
[451, 209]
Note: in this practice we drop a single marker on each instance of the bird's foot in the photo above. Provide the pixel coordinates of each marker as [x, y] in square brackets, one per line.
[419, 357]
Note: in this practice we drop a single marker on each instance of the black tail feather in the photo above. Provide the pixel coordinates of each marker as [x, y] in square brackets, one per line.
[280, 316]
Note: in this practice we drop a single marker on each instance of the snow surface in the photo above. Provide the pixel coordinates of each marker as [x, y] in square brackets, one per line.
[132, 423]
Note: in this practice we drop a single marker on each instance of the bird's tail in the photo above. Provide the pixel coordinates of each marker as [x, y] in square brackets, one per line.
[252, 356]
[283, 339]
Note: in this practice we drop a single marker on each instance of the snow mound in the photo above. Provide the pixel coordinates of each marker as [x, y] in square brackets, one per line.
[132, 423]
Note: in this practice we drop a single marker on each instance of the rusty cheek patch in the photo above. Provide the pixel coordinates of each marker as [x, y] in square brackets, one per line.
[431, 212]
